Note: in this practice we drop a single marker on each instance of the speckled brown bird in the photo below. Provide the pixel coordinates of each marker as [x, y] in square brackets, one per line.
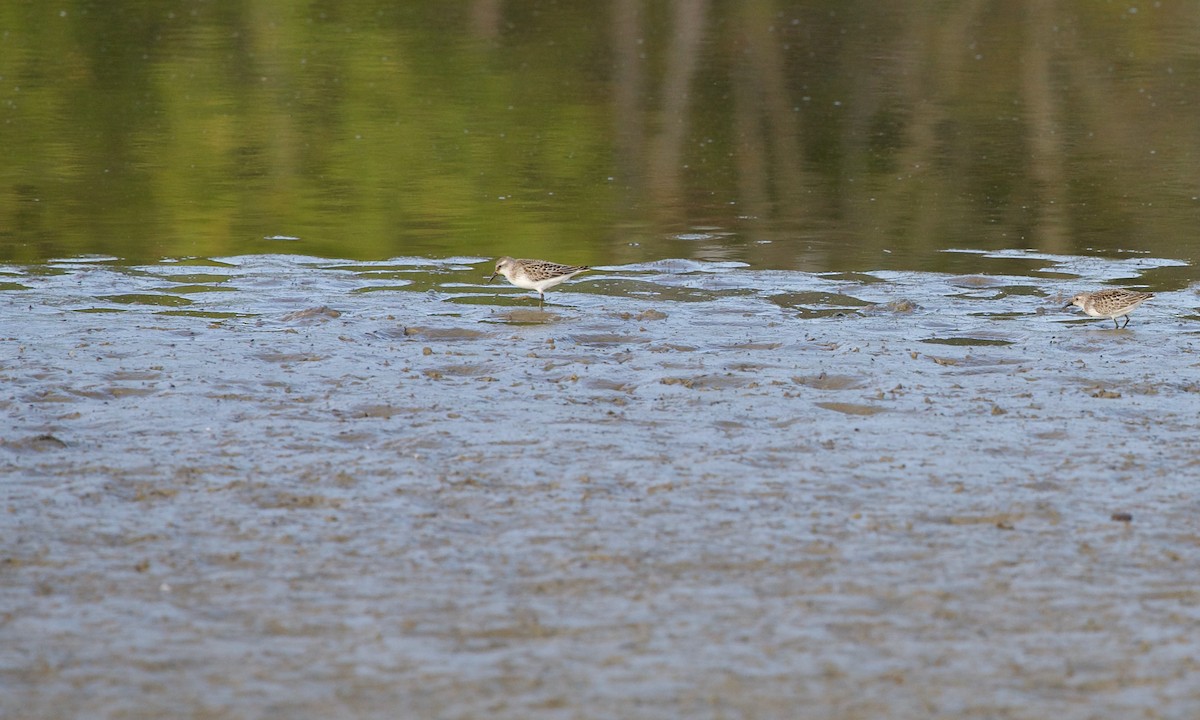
[1111, 303]
[537, 275]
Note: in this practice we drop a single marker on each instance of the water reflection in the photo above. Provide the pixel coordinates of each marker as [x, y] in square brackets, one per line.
[819, 136]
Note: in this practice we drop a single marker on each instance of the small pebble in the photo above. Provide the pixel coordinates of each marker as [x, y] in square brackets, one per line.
[1122, 517]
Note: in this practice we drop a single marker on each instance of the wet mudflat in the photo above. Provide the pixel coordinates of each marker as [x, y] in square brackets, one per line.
[290, 487]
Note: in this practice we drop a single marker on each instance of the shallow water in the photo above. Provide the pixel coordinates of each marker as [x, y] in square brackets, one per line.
[270, 486]
[788, 135]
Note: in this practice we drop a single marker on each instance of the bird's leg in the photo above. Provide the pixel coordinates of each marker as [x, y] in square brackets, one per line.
[1126, 321]
[541, 300]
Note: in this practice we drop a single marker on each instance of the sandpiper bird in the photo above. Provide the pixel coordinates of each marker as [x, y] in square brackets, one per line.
[535, 274]
[1111, 303]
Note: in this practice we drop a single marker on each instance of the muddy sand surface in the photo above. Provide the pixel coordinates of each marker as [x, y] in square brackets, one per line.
[279, 487]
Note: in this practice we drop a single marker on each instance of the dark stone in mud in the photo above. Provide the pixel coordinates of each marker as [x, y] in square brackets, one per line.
[38, 443]
[323, 312]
